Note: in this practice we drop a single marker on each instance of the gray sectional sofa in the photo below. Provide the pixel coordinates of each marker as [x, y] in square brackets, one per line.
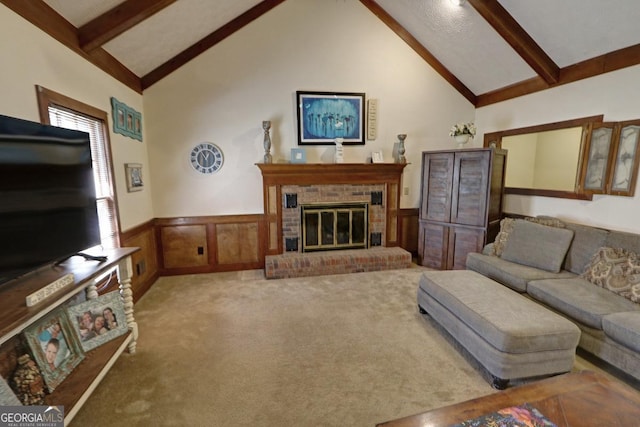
[589, 275]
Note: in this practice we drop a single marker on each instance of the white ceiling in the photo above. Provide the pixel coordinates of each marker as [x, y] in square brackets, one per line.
[568, 31]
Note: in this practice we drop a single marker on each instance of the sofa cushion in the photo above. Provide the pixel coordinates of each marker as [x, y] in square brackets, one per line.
[537, 245]
[616, 270]
[506, 227]
[586, 242]
[620, 239]
[579, 299]
[624, 328]
[511, 274]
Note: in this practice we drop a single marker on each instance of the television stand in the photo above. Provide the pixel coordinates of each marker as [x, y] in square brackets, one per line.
[76, 388]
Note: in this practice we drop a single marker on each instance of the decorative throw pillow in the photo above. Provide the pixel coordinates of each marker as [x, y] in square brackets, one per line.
[548, 221]
[633, 275]
[506, 227]
[537, 245]
[616, 270]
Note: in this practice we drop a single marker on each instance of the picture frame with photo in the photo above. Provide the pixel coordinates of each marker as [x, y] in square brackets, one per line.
[325, 116]
[298, 155]
[624, 172]
[376, 157]
[55, 347]
[133, 173]
[99, 320]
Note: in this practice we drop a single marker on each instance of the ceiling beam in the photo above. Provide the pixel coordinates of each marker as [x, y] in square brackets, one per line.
[48, 20]
[419, 49]
[498, 17]
[208, 42]
[612, 61]
[116, 21]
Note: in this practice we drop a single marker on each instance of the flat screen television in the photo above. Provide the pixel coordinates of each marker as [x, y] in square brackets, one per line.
[47, 196]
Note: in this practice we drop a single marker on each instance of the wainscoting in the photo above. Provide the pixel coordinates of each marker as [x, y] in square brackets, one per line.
[188, 245]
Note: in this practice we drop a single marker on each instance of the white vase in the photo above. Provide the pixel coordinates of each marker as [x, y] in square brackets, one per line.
[461, 139]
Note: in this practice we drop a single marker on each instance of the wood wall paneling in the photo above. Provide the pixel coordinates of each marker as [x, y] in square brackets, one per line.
[145, 261]
[184, 246]
[237, 243]
[169, 246]
[409, 229]
[208, 244]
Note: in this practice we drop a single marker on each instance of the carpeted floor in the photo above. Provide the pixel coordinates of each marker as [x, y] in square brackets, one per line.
[234, 349]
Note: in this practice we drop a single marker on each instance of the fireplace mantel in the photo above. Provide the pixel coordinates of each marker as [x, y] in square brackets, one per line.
[275, 175]
[330, 173]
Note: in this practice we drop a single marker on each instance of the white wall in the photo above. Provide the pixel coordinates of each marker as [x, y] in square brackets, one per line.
[30, 57]
[609, 94]
[223, 96]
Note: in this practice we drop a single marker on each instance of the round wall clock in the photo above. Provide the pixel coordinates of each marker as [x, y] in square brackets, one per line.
[206, 158]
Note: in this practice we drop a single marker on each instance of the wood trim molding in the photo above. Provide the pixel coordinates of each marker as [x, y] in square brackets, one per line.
[116, 21]
[208, 42]
[501, 21]
[329, 173]
[593, 67]
[420, 49]
[86, 41]
[48, 20]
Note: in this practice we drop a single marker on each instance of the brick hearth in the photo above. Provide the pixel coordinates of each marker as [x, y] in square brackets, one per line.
[294, 264]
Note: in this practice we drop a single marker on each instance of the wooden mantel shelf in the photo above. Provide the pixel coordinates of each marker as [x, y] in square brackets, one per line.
[329, 173]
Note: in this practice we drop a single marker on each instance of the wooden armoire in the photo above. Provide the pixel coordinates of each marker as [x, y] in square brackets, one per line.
[461, 204]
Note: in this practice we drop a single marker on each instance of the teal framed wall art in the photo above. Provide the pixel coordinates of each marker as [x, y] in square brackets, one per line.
[126, 120]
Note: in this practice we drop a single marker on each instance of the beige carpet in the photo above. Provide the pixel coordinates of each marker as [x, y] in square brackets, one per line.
[234, 349]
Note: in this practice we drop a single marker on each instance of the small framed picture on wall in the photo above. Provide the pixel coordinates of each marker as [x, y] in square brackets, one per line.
[134, 177]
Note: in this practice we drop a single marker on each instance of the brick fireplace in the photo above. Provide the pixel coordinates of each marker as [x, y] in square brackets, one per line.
[374, 188]
[333, 202]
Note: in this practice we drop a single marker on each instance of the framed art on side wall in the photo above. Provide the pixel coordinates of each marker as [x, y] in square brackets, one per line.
[126, 120]
[325, 116]
[133, 173]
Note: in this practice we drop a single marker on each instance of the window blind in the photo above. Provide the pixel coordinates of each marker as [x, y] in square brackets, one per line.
[65, 118]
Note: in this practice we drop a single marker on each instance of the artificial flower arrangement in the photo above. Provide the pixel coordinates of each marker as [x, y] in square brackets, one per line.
[463, 129]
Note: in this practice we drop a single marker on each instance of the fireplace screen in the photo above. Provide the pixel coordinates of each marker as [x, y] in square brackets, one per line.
[326, 227]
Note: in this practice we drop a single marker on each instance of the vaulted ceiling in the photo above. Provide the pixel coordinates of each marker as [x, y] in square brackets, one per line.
[489, 50]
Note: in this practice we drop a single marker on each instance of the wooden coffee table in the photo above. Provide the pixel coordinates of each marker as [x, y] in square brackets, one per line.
[585, 399]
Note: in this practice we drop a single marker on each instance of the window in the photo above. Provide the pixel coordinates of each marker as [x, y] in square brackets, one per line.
[59, 110]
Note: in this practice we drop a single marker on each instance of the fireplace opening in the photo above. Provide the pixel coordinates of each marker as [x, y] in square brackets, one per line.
[334, 226]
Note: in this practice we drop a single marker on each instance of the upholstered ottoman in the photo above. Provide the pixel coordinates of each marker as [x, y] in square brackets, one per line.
[508, 334]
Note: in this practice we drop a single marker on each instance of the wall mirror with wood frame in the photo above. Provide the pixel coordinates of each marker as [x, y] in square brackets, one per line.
[549, 159]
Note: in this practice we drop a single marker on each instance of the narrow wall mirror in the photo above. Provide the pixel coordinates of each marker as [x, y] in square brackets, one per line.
[545, 160]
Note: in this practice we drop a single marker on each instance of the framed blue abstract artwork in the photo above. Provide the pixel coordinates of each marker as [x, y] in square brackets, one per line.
[325, 116]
